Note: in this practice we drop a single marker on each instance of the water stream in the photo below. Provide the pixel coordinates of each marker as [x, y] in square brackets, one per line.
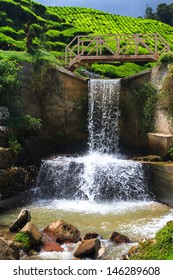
[102, 190]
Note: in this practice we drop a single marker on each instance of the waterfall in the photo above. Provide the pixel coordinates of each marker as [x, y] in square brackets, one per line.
[103, 115]
[103, 173]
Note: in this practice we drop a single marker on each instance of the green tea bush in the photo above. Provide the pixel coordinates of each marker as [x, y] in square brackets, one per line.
[117, 70]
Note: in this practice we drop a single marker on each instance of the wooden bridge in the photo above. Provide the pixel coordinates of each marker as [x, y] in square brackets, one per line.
[110, 48]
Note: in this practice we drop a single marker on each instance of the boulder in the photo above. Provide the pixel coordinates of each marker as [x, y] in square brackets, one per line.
[91, 235]
[8, 251]
[119, 238]
[23, 218]
[51, 246]
[88, 248]
[17, 179]
[7, 158]
[62, 232]
[34, 234]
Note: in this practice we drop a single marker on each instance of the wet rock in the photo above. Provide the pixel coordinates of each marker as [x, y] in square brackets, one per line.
[63, 232]
[91, 235]
[17, 179]
[119, 238]
[7, 158]
[23, 218]
[88, 248]
[34, 234]
[51, 246]
[150, 158]
[8, 251]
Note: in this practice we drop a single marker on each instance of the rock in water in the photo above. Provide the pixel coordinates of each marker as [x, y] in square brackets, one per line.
[88, 248]
[51, 246]
[33, 233]
[63, 232]
[23, 218]
[119, 238]
[91, 235]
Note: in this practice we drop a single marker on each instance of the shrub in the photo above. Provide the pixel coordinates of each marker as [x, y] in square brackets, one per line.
[25, 126]
[15, 146]
[9, 80]
[166, 57]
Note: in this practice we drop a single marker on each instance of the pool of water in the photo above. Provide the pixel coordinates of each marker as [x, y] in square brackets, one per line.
[136, 219]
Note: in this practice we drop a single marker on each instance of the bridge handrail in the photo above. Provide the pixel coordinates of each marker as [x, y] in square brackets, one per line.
[78, 48]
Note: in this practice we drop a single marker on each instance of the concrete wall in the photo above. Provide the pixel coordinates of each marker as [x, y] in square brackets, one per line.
[162, 182]
[130, 131]
[60, 99]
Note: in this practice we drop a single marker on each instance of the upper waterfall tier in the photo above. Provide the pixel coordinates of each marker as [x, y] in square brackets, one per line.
[103, 115]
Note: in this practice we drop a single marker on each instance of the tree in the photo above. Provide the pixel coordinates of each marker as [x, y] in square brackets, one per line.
[164, 13]
[149, 12]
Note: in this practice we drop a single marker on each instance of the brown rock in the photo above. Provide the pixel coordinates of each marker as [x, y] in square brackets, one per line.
[23, 218]
[91, 235]
[132, 250]
[34, 234]
[88, 248]
[51, 246]
[63, 232]
[119, 238]
[8, 251]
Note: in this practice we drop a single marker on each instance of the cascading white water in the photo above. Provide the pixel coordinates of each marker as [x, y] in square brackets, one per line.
[103, 115]
[101, 174]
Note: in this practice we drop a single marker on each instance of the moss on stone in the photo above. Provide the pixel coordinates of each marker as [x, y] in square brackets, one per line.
[160, 248]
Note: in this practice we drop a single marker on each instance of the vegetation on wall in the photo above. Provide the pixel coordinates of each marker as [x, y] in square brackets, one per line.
[146, 95]
[166, 94]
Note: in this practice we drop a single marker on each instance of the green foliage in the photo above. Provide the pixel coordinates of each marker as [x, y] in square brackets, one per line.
[25, 126]
[160, 248]
[146, 95]
[170, 153]
[16, 56]
[166, 57]
[117, 70]
[15, 146]
[166, 94]
[24, 239]
[9, 80]
[163, 13]
[42, 56]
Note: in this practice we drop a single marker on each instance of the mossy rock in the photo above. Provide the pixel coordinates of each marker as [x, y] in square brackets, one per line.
[159, 248]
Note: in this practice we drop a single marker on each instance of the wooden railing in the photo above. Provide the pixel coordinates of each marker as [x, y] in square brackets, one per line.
[119, 47]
